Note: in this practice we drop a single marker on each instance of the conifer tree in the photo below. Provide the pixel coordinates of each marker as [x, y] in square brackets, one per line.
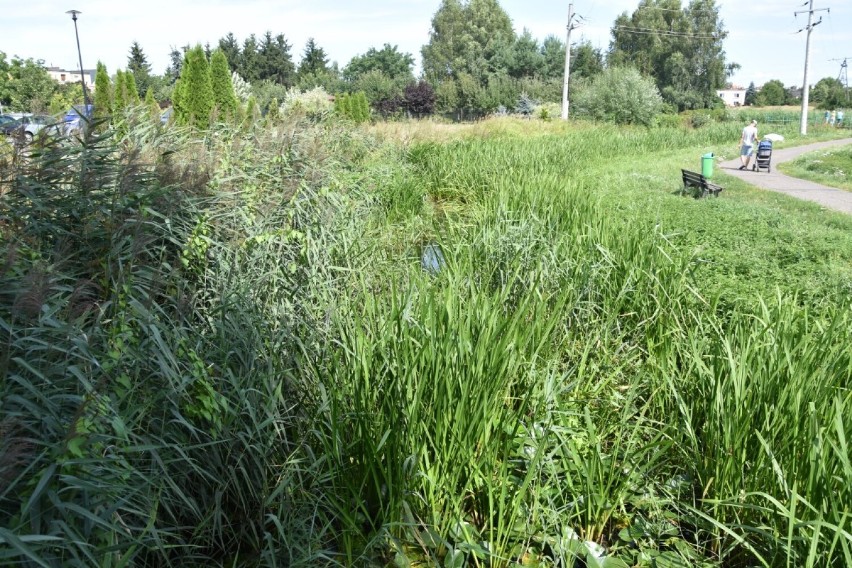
[361, 107]
[152, 106]
[231, 48]
[119, 102]
[345, 107]
[251, 110]
[314, 60]
[196, 90]
[273, 112]
[178, 100]
[130, 87]
[138, 64]
[223, 88]
[750, 95]
[103, 92]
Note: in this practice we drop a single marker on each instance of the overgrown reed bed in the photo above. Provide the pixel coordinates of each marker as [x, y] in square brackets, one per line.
[223, 349]
[153, 303]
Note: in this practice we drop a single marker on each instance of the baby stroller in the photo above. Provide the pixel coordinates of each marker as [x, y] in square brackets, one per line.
[763, 158]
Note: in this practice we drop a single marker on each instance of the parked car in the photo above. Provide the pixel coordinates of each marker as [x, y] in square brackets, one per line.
[9, 126]
[74, 118]
[30, 125]
[4, 118]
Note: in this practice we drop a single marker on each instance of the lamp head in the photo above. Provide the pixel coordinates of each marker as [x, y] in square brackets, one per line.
[74, 14]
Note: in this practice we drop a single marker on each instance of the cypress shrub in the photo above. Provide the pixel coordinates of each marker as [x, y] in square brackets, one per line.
[224, 98]
[130, 88]
[103, 92]
[196, 90]
[120, 98]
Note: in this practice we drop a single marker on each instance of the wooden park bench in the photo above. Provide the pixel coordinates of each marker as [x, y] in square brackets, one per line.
[698, 186]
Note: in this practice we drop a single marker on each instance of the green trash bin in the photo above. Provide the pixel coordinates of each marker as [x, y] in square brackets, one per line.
[707, 165]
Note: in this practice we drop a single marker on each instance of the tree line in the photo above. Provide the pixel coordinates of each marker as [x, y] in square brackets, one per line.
[474, 63]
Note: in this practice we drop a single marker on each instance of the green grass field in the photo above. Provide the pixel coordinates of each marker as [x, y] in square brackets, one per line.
[828, 167]
[226, 350]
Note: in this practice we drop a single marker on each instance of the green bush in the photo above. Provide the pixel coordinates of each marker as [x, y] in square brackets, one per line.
[621, 95]
[700, 118]
[669, 121]
[549, 111]
[315, 103]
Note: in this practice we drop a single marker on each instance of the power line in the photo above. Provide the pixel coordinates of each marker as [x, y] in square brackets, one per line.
[651, 31]
[682, 10]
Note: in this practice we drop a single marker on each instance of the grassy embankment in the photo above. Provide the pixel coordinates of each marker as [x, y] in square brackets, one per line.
[225, 350]
[829, 167]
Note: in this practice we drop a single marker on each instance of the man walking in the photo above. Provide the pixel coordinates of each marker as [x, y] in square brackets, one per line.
[747, 142]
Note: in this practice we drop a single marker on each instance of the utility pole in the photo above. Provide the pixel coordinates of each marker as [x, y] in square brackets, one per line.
[571, 26]
[80, 55]
[843, 76]
[805, 88]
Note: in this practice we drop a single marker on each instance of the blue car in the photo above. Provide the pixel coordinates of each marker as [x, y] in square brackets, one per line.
[74, 118]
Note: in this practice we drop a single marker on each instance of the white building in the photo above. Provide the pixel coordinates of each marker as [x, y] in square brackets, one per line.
[732, 97]
[64, 77]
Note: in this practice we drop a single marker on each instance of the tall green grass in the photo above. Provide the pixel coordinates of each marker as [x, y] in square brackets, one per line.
[739, 375]
[223, 349]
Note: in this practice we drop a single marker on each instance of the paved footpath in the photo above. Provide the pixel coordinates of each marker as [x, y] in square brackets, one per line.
[829, 197]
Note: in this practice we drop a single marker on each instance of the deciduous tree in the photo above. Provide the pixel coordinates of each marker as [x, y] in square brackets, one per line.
[389, 61]
[25, 85]
[66, 96]
[420, 98]
[828, 93]
[466, 38]
[681, 48]
[772, 93]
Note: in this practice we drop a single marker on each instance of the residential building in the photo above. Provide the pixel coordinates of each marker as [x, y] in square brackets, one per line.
[732, 97]
[63, 77]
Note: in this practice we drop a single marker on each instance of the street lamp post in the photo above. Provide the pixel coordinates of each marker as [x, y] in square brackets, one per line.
[80, 55]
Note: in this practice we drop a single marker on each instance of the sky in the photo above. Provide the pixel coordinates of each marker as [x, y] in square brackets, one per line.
[762, 33]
